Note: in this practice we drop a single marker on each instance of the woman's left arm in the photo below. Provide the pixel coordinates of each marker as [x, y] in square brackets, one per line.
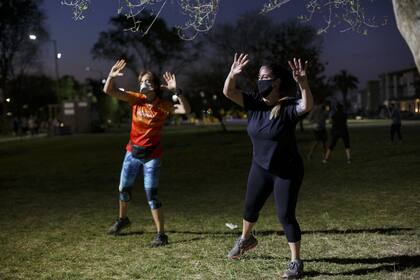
[184, 106]
[299, 75]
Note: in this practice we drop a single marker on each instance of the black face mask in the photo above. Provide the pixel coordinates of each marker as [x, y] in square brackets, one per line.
[265, 87]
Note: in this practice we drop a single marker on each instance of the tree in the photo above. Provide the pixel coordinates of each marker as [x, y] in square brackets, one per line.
[105, 106]
[408, 22]
[265, 40]
[160, 48]
[348, 14]
[69, 88]
[345, 82]
[206, 95]
[17, 52]
[31, 94]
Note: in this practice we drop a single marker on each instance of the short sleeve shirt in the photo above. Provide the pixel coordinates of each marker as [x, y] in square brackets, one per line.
[273, 141]
[147, 121]
[339, 121]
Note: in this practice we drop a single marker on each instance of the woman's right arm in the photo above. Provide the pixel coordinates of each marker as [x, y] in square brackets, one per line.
[109, 84]
[229, 89]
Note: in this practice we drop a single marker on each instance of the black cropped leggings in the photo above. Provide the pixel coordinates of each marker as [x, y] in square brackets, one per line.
[261, 184]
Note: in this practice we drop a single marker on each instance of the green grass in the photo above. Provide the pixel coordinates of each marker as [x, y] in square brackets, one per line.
[59, 195]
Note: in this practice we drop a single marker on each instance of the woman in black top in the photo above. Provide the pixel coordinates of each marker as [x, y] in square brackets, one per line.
[276, 165]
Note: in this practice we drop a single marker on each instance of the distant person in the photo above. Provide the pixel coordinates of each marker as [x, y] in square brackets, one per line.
[144, 151]
[24, 126]
[31, 125]
[55, 125]
[318, 117]
[16, 126]
[339, 130]
[276, 164]
[395, 116]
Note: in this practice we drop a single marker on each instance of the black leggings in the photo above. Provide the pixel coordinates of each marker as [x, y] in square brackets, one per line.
[335, 135]
[395, 128]
[261, 184]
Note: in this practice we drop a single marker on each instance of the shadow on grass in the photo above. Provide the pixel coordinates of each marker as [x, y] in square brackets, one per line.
[130, 233]
[386, 231]
[185, 240]
[389, 264]
[139, 232]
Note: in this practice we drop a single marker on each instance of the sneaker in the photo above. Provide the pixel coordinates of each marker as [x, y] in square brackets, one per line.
[119, 225]
[325, 161]
[349, 161]
[241, 246]
[294, 270]
[160, 239]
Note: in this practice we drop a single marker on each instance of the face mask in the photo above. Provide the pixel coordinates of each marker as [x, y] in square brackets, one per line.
[145, 88]
[265, 87]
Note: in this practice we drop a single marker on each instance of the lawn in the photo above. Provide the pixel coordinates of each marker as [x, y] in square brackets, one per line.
[58, 196]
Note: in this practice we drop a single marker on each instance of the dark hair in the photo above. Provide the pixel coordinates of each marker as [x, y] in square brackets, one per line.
[155, 81]
[287, 83]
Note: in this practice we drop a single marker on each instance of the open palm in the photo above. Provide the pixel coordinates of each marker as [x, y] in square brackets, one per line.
[170, 81]
[299, 71]
[117, 68]
[239, 63]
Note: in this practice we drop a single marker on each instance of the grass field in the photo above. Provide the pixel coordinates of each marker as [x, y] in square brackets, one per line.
[58, 196]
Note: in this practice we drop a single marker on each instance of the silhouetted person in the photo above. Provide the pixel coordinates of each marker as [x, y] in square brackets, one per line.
[339, 130]
[31, 125]
[395, 116]
[16, 126]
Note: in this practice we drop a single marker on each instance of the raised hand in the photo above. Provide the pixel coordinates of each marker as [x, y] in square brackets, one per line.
[170, 81]
[117, 68]
[238, 64]
[299, 72]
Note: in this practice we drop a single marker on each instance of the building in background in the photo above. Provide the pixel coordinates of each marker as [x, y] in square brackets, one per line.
[403, 88]
[70, 117]
[371, 99]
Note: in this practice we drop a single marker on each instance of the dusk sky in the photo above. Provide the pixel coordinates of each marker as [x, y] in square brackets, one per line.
[382, 50]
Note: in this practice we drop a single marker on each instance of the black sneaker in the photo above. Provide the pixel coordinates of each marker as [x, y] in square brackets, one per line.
[160, 239]
[119, 225]
[241, 246]
[294, 270]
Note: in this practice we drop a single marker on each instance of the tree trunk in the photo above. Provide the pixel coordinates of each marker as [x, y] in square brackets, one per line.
[407, 15]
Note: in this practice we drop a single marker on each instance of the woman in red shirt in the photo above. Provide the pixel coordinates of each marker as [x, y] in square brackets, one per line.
[149, 112]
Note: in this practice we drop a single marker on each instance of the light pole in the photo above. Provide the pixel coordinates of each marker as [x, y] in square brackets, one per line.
[57, 56]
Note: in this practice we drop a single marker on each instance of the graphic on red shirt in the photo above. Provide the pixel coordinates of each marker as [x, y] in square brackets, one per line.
[147, 120]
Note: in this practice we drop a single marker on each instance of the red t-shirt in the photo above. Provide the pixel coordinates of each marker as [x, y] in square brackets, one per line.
[147, 121]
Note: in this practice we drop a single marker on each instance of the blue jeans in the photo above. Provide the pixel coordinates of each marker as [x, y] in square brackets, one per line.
[151, 172]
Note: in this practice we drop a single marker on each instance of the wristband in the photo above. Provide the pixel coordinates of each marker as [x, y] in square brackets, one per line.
[178, 92]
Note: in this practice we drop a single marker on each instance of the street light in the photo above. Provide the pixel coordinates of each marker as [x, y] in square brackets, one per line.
[57, 55]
